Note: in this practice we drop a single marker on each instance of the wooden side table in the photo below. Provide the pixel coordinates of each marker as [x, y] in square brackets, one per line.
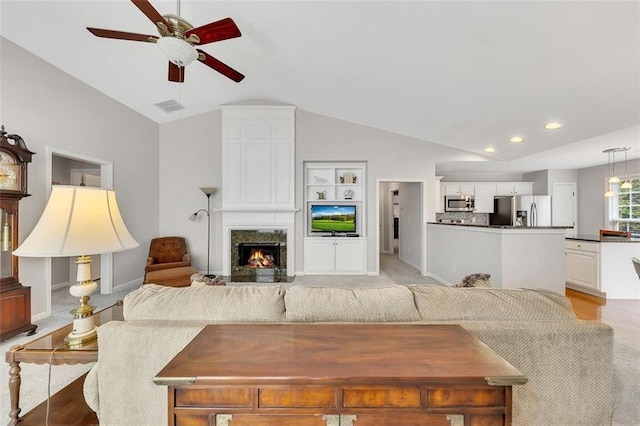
[38, 351]
[338, 374]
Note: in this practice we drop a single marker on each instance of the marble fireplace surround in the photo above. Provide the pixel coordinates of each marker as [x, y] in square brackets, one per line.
[264, 226]
[274, 239]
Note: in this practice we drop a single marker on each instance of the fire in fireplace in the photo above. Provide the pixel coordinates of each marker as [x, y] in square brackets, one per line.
[259, 255]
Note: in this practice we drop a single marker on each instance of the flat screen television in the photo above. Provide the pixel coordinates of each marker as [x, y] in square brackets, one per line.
[333, 219]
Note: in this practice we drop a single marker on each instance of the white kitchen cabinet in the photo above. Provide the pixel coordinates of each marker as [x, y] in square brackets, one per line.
[514, 188]
[582, 263]
[342, 255]
[484, 197]
[454, 188]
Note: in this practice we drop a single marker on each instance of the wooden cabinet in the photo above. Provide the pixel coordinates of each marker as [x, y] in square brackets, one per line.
[582, 263]
[15, 299]
[484, 197]
[341, 255]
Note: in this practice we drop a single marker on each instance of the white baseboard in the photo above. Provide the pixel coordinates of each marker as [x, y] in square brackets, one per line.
[408, 263]
[373, 274]
[131, 285]
[440, 280]
[58, 286]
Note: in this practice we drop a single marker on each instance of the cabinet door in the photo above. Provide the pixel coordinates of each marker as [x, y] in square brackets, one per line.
[582, 268]
[505, 188]
[451, 189]
[319, 255]
[484, 198]
[523, 188]
[350, 255]
[467, 189]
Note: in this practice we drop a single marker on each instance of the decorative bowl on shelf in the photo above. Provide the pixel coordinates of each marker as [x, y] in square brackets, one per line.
[348, 194]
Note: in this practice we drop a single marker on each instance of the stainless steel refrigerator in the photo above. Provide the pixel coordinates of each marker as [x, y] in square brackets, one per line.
[521, 210]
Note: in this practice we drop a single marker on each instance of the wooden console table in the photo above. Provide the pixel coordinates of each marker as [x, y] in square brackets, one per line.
[338, 374]
[38, 351]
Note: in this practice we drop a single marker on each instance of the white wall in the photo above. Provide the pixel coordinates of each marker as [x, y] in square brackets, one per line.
[410, 226]
[48, 107]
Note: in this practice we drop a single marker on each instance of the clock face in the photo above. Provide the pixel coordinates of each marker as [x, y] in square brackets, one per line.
[9, 172]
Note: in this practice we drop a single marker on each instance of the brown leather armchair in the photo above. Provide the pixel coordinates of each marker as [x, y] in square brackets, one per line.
[168, 262]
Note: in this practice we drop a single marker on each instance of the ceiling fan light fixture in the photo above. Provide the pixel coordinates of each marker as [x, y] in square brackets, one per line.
[177, 50]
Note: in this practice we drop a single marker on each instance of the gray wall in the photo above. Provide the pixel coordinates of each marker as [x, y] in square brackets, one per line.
[48, 107]
[591, 202]
[198, 141]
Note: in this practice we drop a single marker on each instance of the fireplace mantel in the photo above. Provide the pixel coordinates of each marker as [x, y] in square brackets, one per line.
[258, 173]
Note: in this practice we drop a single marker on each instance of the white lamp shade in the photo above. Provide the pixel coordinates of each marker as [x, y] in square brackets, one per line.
[177, 50]
[78, 220]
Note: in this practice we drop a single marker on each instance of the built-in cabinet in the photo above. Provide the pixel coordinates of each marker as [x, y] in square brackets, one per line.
[340, 255]
[483, 192]
[514, 188]
[334, 185]
[453, 188]
[582, 263]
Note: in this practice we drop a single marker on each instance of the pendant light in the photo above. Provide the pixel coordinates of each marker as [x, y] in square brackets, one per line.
[613, 178]
[626, 184]
[609, 193]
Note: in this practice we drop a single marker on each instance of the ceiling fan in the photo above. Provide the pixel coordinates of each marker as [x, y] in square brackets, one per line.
[178, 39]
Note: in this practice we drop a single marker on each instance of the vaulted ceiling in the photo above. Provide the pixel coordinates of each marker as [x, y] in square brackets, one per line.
[463, 74]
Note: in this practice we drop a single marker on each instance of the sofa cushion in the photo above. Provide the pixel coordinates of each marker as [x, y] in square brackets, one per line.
[393, 303]
[438, 303]
[208, 303]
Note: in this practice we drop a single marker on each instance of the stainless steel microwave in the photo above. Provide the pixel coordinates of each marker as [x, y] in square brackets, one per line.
[459, 203]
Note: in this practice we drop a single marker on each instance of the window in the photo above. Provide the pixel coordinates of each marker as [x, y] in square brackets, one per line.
[624, 207]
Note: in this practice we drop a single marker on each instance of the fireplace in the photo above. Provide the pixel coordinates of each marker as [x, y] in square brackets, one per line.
[258, 255]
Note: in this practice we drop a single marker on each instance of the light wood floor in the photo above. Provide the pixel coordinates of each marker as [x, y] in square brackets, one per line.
[616, 313]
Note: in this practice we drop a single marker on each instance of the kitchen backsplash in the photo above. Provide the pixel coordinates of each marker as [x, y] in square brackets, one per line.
[463, 217]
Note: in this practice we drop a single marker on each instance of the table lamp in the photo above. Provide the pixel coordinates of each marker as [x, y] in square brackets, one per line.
[78, 221]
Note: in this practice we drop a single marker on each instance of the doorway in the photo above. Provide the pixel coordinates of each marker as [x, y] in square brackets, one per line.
[401, 222]
[70, 168]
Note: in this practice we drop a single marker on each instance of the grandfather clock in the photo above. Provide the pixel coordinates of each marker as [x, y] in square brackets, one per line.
[15, 299]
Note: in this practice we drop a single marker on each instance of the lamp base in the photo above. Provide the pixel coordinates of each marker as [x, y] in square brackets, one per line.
[83, 331]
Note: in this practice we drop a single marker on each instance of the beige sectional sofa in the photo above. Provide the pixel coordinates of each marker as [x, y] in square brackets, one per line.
[569, 362]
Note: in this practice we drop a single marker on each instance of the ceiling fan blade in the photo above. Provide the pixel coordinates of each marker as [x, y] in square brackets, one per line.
[223, 29]
[222, 68]
[151, 13]
[176, 73]
[121, 35]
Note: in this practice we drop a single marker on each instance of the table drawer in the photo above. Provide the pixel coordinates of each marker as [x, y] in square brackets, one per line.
[451, 397]
[381, 397]
[297, 397]
[582, 245]
[194, 396]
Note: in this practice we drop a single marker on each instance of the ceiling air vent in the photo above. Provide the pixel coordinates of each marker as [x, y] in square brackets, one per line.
[169, 105]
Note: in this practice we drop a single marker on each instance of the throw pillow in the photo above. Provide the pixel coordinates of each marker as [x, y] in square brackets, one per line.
[475, 280]
[199, 280]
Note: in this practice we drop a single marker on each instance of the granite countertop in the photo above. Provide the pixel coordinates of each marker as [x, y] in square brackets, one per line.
[477, 225]
[597, 239]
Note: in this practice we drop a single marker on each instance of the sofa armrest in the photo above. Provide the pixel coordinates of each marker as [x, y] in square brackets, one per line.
[186, 257]
[90, 390]
[150, 261]
[130, 355]
[569, 365]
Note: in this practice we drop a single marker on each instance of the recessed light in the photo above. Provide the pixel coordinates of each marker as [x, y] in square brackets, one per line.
[517, 139]
[489, 149]
[552, 126]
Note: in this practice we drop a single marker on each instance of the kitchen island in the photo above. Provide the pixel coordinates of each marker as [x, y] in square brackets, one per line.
[516, 257]
[602, 266]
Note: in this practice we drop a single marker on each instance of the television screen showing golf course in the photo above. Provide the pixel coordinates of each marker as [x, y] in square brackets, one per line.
[333, 218]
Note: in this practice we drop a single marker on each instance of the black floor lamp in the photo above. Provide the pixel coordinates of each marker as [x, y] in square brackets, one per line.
[209, 191]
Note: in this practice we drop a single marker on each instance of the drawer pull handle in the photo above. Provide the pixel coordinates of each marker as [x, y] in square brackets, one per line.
[223, 419]
[455, 419]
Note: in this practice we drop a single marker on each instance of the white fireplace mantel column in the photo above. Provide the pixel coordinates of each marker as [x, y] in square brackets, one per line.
[258, 173]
